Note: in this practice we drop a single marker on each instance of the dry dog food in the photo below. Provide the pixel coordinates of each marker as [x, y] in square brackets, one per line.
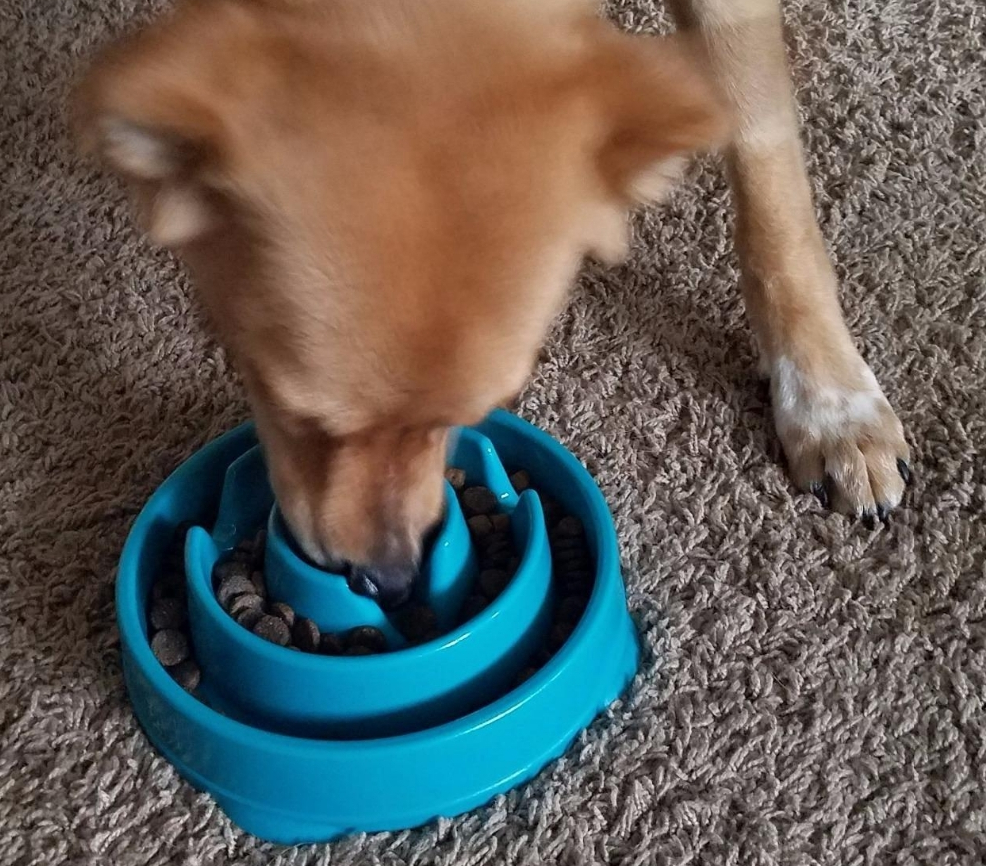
[478, 500]
[170, 647]
[168, 616]
[306, 635]
[272, 628]
[240, 588]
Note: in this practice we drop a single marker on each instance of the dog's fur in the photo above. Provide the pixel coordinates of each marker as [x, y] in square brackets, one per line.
[384, 201]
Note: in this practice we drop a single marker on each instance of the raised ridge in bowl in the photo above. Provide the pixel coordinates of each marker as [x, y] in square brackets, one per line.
[294, 789]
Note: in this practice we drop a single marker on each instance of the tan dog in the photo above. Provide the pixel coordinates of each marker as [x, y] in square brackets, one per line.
[376, 197]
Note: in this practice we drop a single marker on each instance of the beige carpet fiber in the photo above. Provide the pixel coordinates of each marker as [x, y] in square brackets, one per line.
[810, 692]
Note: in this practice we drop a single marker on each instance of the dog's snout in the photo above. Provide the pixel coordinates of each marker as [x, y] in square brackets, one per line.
[389, 586]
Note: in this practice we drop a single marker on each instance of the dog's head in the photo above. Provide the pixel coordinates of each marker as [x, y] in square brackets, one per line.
[382, 203]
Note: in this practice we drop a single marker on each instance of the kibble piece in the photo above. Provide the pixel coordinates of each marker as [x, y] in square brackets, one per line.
[233, 585]
[284, 611]
[576, 582]
[501, 523]
[416, 621]
[552, 511]
[186, 674]
[498, 561]
[247, 601]
[366, 636]
[478, 500]
[480, 526]
[493, 581]
[456, 477]
[571, 608]
[569, 527]
[331, 645]
[512, 564]
[172, 584]
[230, 568]
[168, 613]
[170, 647]
[520, 480]
[250, 617]
[306, 634]
[259, 583]
[274, 629]
[571, 560]
[432, 634]
[495, 544]
[358, 650]
[473, 606]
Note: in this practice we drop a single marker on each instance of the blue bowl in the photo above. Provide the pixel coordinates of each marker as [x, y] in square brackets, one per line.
[304, 748]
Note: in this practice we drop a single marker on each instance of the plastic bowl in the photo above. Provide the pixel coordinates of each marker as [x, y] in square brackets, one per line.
[304, 748]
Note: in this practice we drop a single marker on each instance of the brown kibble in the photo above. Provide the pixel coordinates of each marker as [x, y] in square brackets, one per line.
[520, 480]
[416, 621]
[495, 544]
[493, 581]
[283, 611]
[480, 526]
[571, 560]
[306, 634]
[259, 582]
[273, 629]
[456, 477]
[247, 601]
[232, 585]
[501, 523]
[168, 613]
[187, 674]
[366, 636]
[358, 650]
[170, 647]
[569, 527]
[552, 511]
[331, 645]
[250, 617]
[478, 500]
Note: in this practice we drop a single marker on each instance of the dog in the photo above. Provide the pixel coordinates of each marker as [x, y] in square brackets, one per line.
[383, 203]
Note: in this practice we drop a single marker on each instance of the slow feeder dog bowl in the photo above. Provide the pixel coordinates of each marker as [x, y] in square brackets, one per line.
[300, 747]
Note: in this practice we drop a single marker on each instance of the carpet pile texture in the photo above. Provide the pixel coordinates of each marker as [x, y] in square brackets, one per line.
[811, 692]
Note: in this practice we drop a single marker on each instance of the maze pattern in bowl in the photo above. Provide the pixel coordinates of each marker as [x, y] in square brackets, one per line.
[299, 747]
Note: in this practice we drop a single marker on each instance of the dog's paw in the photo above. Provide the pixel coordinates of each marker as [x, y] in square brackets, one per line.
[841, 438]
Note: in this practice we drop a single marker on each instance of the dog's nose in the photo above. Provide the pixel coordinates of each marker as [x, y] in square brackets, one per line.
[389, 586]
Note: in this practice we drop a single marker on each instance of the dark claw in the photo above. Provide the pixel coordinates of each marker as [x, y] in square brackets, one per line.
[869, 519]
[817, 489]
[904, 470]
[883, 513]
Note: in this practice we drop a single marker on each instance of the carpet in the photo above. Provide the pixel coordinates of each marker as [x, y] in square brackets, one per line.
[810, 692]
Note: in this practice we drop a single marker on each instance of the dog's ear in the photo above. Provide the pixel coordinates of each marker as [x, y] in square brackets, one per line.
[146, 112]
[658, 106]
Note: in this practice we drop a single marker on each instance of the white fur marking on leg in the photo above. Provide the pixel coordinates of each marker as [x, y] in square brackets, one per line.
[822, 411]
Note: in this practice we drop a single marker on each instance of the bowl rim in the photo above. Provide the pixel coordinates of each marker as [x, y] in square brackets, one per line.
[133, 637]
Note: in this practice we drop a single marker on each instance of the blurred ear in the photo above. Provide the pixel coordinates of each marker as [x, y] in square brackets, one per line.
[658, 106]
[144, 110]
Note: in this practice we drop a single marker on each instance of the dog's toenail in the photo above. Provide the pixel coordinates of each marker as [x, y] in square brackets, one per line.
[817, 489]
[904, 470]
[883, 512]
[868, 519]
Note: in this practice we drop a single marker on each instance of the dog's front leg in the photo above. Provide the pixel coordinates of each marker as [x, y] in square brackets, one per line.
[841, 437]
